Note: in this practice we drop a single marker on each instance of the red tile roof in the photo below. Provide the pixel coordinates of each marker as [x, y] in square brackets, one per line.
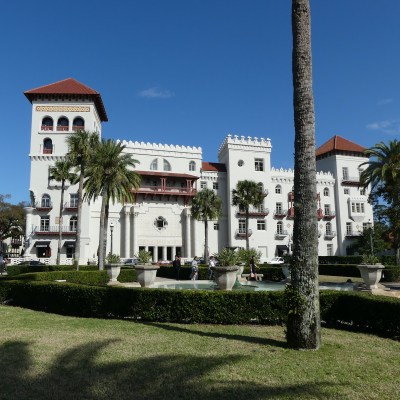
[337, 143]
[69, 86]
[213, 167]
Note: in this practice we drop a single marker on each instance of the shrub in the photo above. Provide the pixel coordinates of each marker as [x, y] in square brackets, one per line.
[391, 273]
[13, 270]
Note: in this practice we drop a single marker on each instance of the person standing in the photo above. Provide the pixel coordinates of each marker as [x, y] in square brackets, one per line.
[195, 270]
[211, 263]
[177, 266]
[253, 273]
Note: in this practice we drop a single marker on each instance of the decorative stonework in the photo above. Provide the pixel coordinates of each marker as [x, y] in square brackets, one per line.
[63, 108]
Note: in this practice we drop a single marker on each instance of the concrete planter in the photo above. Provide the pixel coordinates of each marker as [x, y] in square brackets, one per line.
[113, 271]
[146, 274]
[371, 274]
[225, 277]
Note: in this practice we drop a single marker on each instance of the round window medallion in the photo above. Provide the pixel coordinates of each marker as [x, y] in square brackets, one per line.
[240, 163]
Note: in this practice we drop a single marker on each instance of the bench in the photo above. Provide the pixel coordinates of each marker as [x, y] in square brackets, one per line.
[259, 276]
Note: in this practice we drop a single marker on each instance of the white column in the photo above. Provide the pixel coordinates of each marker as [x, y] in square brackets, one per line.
[127, 241]
[164, 253]
[173, 252]
[155, 254]
[187, 236]
[135, 248]
[28, 228]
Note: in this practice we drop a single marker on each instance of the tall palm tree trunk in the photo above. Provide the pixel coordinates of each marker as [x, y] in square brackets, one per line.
[102, 233]
[60, 225]
[79, 221]
[303, 326]
[247, 229]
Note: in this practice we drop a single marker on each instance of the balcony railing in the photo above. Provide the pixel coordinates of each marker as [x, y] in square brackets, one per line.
[329, 234]
[281, 234]
[40, 206]
[48, 151]
[254, 212]
[320, 213]
[46, 128]
[280, 213]
[241, 233]
[350, 234]
[61, 128]
[174, 190]
[76, 128]
[329, 214]
[351, 180]
[71, 205]
[54, 230]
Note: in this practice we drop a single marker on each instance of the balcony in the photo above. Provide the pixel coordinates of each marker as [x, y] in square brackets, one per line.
[254, 212]
[281, 234]
[350, 181]
[320, 214]
[329, 214]
[353, 234]
[77, 128]
[54, 230]
[48, 151]
[43, 206]
[280, 213]
[329, 235]
[241, 233]
[46, 128]
[290, 214]
[16, 242]
[61, 128]
[71, 206]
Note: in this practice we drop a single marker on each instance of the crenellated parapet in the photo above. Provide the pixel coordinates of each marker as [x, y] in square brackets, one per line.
[287, 175]
[245, 143]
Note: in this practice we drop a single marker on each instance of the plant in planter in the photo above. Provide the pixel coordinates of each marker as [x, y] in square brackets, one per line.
[113, 267]
[370, 270]
[225, 273]
[145, 272]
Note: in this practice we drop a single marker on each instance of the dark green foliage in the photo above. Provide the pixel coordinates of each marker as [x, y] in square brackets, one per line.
[339, 270]
[391, 273]
[339, 260]
[13, 270]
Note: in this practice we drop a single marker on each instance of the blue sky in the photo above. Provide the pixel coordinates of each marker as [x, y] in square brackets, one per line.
[192, 71]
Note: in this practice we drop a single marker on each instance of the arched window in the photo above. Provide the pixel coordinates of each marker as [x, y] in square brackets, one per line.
[154, 165]
[279, 227]
[78, 124]
[192, 166]
[326, 191]
[47, 124]
[278, 189]
[166, 165]
[73, 223]
[46, 201]
[62, 124]
[47, 146]
[328, 228]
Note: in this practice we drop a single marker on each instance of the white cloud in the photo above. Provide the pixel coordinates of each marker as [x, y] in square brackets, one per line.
[156, 93]
[383, 102]
[389, 127]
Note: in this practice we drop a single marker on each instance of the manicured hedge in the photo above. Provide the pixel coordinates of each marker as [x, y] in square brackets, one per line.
[13, 270]
[391, 273]
[339, 270]
[360, 311]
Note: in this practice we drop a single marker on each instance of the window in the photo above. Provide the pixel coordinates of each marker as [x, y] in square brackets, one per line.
[44, 223]
[347, 191]
[345, 173]
[362, 192]
[240, 163]
[329, 249]
[45, 203]
[328, 229]
[215, 185]
[260, 208]
[242, 226]
[259, 164]
[62, 124]
[47, 124]
[278, 189]
[278, 208]
[166, 165]
[261, 225]
[327, 209]
[160, 223]
[349, 228]
[279, 227]
[216, 226]
[365, 226]
[192, 166]
[73, 199]
[154, 165]
[203, 184]
[326, 192]
[47, 146]
[73, 224]
[78, 124]
[358, 208]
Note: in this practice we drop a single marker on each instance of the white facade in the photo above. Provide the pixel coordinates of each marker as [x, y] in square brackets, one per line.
[160, 220]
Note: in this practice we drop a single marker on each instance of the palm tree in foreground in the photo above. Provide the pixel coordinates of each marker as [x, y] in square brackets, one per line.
[383, 174]
[80, 149]
[247, 194]
[110, 176]
[61, 172]
[206, 205]
[304, 325]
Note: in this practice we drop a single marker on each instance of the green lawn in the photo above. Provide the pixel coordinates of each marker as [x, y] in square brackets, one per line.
[46, 356]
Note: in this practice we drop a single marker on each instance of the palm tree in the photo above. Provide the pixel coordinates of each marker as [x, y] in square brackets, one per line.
[80, 145]
[383, 174]
[247, 194]
[110, 176]
[61, 172]
[304, 325]
[206, 205]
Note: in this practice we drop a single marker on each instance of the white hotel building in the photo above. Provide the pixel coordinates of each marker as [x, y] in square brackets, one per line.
[160, 220]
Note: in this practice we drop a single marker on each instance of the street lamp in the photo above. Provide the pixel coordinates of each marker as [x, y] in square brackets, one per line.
[370, 227]
[111, 234]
